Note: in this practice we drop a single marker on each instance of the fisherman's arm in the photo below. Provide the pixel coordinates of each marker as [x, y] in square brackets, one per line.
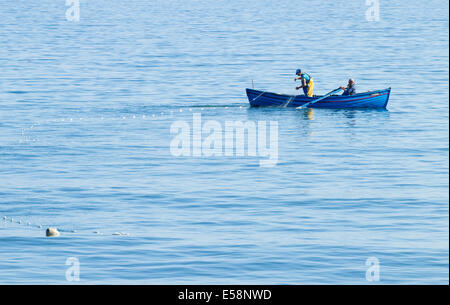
[303, 84]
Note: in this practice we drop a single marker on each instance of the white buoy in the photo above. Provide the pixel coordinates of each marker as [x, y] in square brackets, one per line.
[52, 232]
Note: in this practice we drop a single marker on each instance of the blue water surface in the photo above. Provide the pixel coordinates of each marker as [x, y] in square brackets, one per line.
[86, 110]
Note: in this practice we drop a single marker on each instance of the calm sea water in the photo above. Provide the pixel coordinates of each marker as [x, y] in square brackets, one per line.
[85, 115]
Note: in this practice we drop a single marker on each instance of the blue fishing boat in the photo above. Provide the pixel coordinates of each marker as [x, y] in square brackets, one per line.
[371, 99]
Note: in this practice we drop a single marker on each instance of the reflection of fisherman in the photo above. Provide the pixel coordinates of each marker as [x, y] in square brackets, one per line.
[350, 89]
[307, 82]
[310, 114]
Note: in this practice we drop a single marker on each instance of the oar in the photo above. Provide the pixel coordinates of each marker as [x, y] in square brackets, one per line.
[319, 99]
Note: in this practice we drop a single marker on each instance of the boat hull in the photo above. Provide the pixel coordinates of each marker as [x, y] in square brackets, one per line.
[371, 99]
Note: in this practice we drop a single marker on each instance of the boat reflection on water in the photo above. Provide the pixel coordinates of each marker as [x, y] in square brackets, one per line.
[351, 116]
[310, 120]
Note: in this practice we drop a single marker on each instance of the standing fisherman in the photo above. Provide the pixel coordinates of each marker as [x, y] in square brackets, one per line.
[307, 82]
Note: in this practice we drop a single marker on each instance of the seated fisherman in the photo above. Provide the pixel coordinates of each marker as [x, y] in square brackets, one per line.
[350, 89]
